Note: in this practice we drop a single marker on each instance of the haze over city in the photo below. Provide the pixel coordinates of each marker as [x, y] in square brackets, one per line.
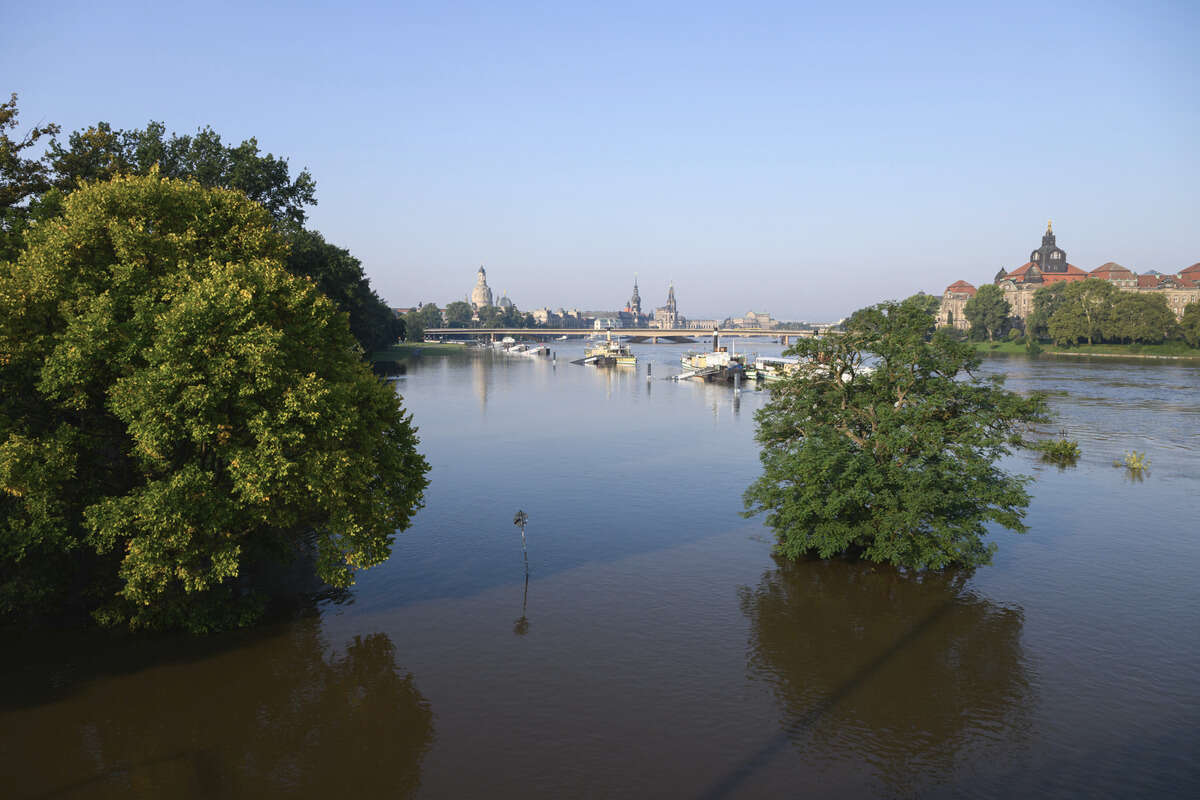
[801, 160]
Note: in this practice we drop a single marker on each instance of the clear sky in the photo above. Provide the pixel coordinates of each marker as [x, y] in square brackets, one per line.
[804, 160]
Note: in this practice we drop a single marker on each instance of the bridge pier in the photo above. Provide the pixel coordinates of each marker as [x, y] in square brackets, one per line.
[783, 340]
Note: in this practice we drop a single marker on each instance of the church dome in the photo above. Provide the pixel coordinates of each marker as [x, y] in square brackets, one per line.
[481, 295]
[504, 302]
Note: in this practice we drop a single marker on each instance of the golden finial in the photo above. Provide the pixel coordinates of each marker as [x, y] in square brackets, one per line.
[1049, 227]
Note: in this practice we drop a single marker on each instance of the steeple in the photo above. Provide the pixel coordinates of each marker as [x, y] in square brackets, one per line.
[1049, 257]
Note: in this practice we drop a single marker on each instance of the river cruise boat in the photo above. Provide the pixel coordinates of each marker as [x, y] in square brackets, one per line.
[719, 365]
[609, 353]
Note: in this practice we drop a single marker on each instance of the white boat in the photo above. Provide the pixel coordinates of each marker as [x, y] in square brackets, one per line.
[526, 350]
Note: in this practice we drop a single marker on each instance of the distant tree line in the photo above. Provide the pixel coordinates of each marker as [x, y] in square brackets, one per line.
[1091, 311]
[460, 314]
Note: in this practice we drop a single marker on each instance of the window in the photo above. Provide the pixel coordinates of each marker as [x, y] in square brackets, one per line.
[1056, 255]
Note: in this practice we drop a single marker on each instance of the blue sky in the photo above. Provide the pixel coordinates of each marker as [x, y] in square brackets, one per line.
[803, 160]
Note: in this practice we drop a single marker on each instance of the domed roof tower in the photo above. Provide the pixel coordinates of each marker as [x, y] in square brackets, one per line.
[481, 295]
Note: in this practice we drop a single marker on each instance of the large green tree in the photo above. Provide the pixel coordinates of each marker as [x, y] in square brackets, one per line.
[1140, 318]
[1046, 301]
[1085, 309]
[458, 314]
[894, 464]
[988, 311]
[179, 413]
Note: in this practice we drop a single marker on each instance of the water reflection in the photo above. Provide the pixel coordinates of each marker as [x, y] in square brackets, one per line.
[521, 626]
[267, 717]
[871, 668]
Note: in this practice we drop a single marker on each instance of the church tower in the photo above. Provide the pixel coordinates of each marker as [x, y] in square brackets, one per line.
[481, 295]
[1049, 257]
[634, 306]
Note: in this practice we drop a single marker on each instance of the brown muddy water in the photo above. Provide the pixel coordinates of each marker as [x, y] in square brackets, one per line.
[658, 648]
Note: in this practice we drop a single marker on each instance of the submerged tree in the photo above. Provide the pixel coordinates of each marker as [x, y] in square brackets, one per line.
[894, 464]
[180, 411]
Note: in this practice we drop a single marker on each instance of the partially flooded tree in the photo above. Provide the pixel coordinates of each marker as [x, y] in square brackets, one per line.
[894, 464]
[179, 410]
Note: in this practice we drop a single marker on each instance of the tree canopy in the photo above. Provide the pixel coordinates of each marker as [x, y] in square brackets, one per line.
[1084, 311]
[33, 189]
[101, 153]
[895, 463]
[339, 276]
[458, 314]
[988, 311]
[1189, 325]
[180, 412]
[21, 177]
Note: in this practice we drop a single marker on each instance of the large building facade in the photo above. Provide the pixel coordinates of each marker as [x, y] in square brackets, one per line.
[1048, 264]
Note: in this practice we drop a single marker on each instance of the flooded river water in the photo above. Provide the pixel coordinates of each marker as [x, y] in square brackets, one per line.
[658, 648]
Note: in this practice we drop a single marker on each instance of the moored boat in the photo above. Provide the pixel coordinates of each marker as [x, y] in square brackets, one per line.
[609, 353]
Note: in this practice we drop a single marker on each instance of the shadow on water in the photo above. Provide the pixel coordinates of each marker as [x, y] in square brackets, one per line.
[879, 672]
[256, 714]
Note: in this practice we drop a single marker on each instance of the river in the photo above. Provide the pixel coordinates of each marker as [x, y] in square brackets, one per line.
[658, 648]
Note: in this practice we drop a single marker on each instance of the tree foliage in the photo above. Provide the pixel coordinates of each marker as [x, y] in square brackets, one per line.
[1084, 311]
[101, 153]
[339, 276]
[1189, 325]
[1138, 318]
[179, 412]
[458, 314]
[895, 464]
[21, 178]
[1046, 301]
[988, 311]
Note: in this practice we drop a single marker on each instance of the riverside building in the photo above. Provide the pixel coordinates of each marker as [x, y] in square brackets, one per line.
[1048, 264]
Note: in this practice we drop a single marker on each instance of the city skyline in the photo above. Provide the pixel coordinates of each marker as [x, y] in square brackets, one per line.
[800, 159]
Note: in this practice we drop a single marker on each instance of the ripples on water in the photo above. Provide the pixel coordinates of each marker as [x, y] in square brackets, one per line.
[658, 648]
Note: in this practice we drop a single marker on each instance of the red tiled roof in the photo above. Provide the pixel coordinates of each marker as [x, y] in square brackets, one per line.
[1191, 272]
[1111, 271]
[960, 287]
[1148, 281]
[1073, 273]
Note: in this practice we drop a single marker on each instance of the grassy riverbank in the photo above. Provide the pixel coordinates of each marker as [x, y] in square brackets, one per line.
[1165, 350]
[405, 350]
